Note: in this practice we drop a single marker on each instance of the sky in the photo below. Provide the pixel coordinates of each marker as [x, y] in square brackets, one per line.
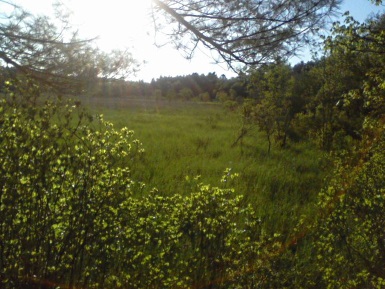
[125, 24]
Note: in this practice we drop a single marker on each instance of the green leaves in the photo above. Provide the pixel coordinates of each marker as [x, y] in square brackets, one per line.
[351, 245]
[68, 214]
[62, 178]
[273, 107]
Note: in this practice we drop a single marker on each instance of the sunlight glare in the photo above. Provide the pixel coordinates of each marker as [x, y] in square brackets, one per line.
[117, 23]
[127, 24]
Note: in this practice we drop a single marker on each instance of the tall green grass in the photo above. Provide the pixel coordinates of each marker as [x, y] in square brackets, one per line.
[186, 140]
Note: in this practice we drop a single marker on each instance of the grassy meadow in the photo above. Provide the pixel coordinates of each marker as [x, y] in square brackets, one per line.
[187, 143]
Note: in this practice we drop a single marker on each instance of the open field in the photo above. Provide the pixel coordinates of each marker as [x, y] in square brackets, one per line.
[185, 140]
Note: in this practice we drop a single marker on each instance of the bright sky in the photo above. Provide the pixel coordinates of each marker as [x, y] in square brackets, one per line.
[126, 24]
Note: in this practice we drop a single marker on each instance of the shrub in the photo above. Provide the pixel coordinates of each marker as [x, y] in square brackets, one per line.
[63, 178]
[351, 244]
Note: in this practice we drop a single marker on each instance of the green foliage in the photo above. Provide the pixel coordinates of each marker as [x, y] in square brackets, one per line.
[356, 75]
[281, 186]
[64, 177]
[187, 242]
[72, 216]
[272, 109]
[76, 210]
[350, 240]
[204, 148]
[351, 246]
[69, 218]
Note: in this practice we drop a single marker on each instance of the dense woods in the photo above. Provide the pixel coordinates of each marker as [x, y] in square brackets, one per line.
[81, 205]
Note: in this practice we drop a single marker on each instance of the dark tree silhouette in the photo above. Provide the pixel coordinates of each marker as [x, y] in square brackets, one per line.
[51, 51]
[247, 32]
